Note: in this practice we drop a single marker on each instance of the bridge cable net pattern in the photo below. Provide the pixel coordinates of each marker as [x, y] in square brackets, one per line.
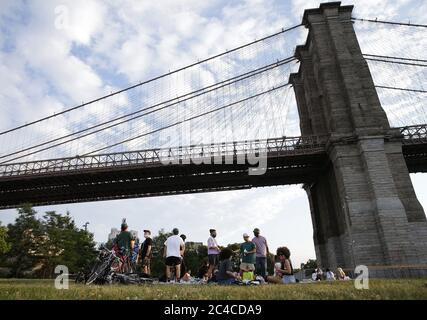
[241, 94]
[396, 55]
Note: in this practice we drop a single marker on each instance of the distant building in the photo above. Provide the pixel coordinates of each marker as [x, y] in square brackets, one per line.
[113, 234]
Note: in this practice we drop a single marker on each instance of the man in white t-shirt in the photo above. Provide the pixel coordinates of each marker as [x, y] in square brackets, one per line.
[174, 249]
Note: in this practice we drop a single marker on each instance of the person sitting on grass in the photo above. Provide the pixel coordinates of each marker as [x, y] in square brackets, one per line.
[341, 274]
[202, 273]
[277, 266]
[285, 274]
[330, 275]
[225, 274]
[319, 273]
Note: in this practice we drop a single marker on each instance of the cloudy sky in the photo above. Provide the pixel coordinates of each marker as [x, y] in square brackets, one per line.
[56, 54]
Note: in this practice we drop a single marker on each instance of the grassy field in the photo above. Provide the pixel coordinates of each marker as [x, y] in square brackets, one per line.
[378, 289]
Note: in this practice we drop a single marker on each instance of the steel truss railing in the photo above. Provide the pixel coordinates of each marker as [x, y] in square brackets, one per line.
[206, 153]
[414, 134]
[203, 153]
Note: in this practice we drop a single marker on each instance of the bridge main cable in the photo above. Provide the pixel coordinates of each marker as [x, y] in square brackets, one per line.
[136, 114]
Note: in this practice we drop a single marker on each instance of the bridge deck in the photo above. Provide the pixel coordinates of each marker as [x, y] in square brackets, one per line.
[170, 171]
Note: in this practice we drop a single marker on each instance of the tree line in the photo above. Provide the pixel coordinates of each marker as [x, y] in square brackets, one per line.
[33, 247]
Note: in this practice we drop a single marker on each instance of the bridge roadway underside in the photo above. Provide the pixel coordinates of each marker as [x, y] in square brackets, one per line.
[132, 181]
[416, 157]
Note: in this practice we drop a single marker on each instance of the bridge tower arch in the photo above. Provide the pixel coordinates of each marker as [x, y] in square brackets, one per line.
[363, 206]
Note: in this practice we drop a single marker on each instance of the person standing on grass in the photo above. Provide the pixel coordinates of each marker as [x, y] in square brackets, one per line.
[173, 252]
[213, 252]
[183, 264]
[124, 241]
[248, 252]
[146, 253]
[262, 253]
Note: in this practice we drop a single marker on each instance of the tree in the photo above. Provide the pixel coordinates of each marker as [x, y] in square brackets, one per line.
[24, 237]
[4, 244]
[310, 264]
[66, 244]
[194, 257]
[39, 245]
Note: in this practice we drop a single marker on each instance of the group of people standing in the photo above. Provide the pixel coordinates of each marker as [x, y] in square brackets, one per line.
[218, 267]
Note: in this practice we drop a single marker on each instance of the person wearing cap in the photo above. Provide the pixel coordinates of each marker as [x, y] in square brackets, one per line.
[146, 252]
[213, 252]
[262, 253]
[248, 252]
[124, 241]
[174, 250]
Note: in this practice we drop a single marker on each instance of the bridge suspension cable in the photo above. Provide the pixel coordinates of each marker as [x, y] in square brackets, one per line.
[408, 24]
[401, 89]
[396, 60]
[284, 30]
[174, 97]
[137, 114]
[396, 55]
[179, 122]
[189, 119]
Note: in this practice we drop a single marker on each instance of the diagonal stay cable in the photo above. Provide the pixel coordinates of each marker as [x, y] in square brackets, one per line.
[177, 100]
[402, 89]
[394, 58]
[397, 62]
[152, 79]
[391, 22]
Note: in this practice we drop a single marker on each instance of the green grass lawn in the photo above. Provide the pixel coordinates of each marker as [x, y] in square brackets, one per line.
[378, 289]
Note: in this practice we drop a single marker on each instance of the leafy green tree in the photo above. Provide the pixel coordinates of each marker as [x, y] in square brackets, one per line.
[66, 244]
[39, 245]
[310, 264]
[4, 244]
[25, 238]
[194, 257]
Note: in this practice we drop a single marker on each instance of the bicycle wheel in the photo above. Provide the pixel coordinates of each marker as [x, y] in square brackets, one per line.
[97, 271]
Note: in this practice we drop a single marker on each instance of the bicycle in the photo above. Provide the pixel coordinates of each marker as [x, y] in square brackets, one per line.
[103, 266]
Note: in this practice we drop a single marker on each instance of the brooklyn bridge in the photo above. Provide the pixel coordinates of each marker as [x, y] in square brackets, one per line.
[305, 105]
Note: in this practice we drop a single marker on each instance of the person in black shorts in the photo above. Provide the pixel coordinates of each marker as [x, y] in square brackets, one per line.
[174, 250]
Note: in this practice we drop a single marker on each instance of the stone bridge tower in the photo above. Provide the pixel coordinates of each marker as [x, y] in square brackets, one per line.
[364, 208]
